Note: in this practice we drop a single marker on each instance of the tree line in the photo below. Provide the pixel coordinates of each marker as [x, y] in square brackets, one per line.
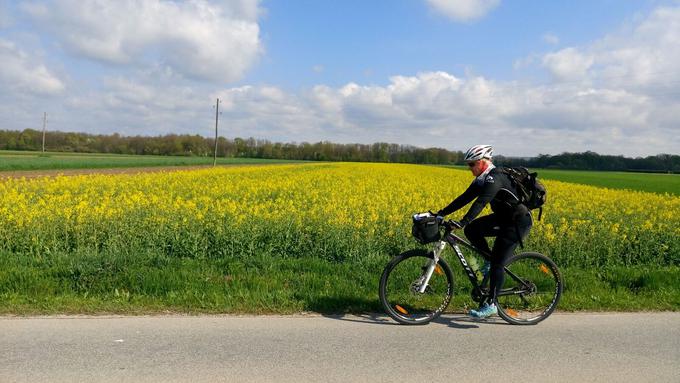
[660, 163]
[195, 145]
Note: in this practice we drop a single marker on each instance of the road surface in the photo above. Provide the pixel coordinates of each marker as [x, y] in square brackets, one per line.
[640, 347]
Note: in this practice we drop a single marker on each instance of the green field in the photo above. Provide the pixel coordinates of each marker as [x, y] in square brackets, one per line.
[648, 182]
[19, 161]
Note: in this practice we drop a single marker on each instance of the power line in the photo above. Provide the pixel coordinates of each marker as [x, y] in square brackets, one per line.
[44, 126]
[217, 113]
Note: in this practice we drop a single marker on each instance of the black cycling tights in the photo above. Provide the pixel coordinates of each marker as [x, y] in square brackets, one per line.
[507, 239]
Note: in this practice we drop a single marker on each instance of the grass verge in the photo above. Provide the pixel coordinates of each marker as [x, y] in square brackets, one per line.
[85, 283]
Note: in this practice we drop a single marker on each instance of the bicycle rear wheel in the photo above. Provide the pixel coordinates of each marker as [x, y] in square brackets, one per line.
[531, 290]
[400, 284]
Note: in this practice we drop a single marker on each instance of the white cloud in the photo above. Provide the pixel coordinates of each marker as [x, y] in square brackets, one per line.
[618, 95]
[136, 107]
[428, 109]
[196, 38]
[551, 39]
[439, 109]
[645, 57]
[568, 64]
[464, 10]
[22, 72]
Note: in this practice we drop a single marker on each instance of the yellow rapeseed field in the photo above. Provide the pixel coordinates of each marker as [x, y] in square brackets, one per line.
[298, 209]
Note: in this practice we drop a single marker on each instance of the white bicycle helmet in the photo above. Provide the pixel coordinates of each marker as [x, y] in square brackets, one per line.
[478, 152]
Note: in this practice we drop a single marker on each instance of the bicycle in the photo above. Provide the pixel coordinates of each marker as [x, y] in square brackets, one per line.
[417, 285]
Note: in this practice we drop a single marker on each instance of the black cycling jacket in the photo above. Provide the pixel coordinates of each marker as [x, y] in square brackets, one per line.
[495, 188]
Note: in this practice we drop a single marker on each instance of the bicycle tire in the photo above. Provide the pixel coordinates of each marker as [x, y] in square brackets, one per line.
[400, 280]
[531, 290]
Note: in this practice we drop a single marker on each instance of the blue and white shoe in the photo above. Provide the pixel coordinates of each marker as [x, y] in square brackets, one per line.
[485, 311]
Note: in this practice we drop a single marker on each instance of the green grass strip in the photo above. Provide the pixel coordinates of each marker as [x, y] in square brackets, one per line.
[155, 283]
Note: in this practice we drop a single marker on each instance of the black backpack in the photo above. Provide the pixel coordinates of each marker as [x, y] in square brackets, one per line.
[531, 190]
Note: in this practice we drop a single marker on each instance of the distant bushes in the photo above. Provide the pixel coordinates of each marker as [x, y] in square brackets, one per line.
[195, 145]
[660, 163]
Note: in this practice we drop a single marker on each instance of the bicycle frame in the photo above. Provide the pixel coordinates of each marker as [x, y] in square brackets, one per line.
[453, 241]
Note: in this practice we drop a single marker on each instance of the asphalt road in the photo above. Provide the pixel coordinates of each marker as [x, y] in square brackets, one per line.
[641, 347]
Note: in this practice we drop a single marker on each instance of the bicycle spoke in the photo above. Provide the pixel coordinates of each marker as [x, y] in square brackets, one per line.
[531, 289]
[524, 300]
[401, 285]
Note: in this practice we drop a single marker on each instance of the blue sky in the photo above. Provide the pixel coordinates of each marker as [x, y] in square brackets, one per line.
[369, 41]
[527, 77]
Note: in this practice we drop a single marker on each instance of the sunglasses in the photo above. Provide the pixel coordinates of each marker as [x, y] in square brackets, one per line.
[472, 164]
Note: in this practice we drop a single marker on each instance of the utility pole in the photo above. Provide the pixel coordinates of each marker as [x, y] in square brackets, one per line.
[44, 125]
[217, 113]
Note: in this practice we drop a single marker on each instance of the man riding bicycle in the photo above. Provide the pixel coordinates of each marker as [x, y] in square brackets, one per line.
[510, 221]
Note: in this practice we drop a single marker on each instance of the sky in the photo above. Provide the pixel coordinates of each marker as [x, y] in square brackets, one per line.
[527, 77]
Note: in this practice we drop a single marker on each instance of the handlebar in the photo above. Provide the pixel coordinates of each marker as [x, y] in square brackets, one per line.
[450, 224]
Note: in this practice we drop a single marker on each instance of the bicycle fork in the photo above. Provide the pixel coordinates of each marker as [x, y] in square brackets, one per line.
[432, 264]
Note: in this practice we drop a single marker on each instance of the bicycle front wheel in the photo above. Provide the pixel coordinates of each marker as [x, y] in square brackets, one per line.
[531, 290]
[402, 282]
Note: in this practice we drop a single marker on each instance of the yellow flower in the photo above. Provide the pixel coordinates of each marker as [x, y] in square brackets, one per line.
[357, 200]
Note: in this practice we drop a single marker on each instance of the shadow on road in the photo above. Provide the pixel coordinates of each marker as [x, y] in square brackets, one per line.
[361, 310]
[362, 318]
[457, 321]
[463, 321]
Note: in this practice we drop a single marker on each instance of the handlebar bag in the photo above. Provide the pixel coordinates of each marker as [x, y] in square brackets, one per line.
[425, 228]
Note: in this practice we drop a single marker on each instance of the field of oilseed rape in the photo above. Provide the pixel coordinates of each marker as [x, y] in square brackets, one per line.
[287, 238]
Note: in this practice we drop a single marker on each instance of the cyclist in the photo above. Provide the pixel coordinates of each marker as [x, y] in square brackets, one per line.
[510, 221]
